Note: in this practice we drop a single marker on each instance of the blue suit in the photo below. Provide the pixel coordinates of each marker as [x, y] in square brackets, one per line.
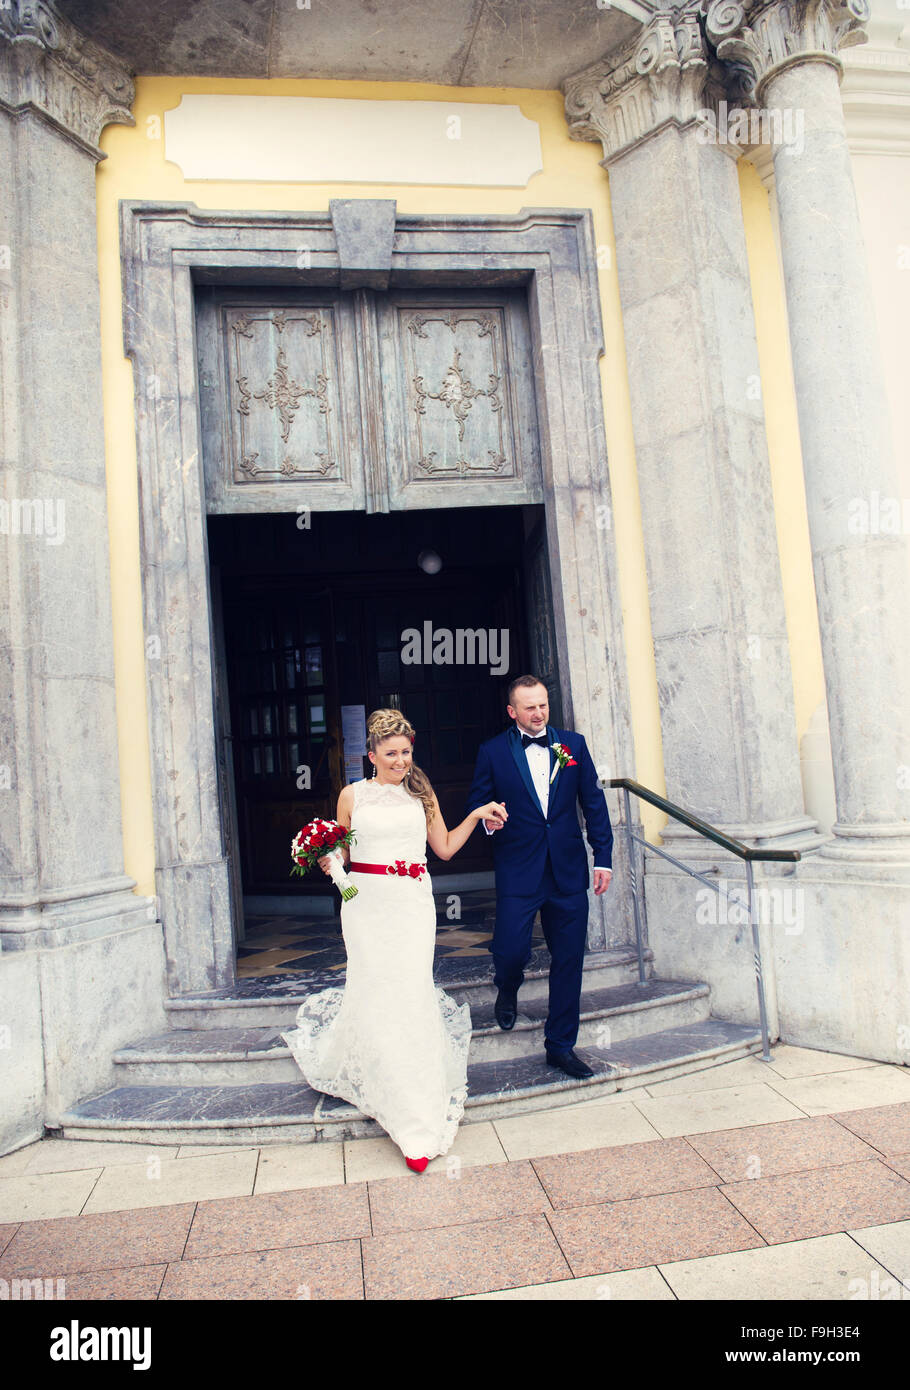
[541, 864]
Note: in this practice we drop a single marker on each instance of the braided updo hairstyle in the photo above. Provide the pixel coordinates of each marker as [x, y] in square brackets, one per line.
[389, 723]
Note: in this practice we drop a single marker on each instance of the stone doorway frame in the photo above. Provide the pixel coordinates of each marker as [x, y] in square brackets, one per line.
[166, 248]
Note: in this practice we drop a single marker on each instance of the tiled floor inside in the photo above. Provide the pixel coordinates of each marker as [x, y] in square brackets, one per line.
[288, 944]
[748, 1180]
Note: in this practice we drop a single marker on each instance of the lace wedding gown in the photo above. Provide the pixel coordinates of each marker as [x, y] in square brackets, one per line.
[390, 1041]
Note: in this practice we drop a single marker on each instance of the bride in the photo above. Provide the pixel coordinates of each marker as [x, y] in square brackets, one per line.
[390, 1041]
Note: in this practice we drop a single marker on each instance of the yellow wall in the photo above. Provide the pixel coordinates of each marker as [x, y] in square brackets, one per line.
[571, 177]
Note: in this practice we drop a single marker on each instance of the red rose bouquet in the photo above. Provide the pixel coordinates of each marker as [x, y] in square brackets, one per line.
[318, 838]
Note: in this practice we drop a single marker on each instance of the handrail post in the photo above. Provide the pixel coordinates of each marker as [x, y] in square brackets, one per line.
[633, 875]
[756, 953]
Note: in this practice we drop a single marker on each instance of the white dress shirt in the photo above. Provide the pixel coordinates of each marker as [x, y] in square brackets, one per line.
[538, 758]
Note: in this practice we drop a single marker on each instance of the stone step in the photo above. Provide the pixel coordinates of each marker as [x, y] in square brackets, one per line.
[274, 1000]
[231, 1056]
[289, 1112]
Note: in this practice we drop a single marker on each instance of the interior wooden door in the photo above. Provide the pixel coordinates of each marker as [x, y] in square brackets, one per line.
[284, 716]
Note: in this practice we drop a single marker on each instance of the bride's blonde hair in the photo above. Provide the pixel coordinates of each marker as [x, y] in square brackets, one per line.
[390, 723]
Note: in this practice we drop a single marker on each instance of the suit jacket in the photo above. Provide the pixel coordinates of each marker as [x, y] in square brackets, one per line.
[520, 849]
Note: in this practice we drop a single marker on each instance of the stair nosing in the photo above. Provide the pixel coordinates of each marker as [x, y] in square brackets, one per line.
[693, 990]
[752, 1040]
[594, 960]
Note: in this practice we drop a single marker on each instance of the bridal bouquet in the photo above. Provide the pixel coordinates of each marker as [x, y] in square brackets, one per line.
[318, 838]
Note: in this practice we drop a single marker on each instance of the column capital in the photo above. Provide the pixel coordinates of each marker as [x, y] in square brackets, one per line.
[657, 80]
[48, 65]
[758, 40]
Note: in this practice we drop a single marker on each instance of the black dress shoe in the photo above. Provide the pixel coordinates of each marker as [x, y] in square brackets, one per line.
[506, 1008]
[568, 1062]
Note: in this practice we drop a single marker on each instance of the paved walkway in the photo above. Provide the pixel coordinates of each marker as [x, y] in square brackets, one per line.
[747, 1180]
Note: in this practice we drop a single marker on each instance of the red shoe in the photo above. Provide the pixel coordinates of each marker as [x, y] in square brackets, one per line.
[416, 1165]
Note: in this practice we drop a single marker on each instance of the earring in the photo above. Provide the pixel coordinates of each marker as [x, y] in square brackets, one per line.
[374, 769]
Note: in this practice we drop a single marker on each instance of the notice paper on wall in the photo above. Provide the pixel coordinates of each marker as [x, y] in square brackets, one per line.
[354, 737]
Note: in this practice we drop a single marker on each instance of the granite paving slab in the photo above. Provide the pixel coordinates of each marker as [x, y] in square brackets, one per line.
[889, 1245]
[478, 1257]
[900, 1163]
[483, 1193]
[794, 1206]
[142, 1282]
[106, 1240]
[651, 1230]
[329, 1271]
[824, 1267]
[783, 1146]
[277, 1220]
[622, 1171]
[885, 1127]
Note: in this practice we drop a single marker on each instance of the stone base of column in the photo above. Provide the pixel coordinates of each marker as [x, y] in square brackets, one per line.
[698, 935]
[843, 981]
[80, 978]
[864, 845]
[60, 917]
[835, 950]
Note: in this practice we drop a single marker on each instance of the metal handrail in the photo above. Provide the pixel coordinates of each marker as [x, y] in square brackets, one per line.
[627, 785]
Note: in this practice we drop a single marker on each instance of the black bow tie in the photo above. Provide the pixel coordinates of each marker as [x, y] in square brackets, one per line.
[526, 739]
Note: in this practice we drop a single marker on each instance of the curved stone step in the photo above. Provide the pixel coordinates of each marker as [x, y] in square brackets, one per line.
[234, 1056]
[274, 999]
[295, 1113]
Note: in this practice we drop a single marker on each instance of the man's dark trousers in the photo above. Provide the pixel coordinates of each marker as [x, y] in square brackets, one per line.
[564, 918]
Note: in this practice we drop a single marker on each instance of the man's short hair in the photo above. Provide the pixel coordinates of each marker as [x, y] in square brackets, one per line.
[525, 680]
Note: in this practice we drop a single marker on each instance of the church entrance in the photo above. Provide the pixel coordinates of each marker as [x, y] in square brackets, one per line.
[427, 612]
[284, 381]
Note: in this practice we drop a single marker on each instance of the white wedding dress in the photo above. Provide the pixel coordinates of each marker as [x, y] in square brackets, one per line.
[390, 1041]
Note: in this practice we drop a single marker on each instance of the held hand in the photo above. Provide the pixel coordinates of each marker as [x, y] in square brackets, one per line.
[494, 815]
[324, 863]
[602, 878]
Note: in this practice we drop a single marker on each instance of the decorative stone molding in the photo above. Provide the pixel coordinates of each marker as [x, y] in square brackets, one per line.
[757, 41]
[48, 65]
[876, 88]
[659, 79]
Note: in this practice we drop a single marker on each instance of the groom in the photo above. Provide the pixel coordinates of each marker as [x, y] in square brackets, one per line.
[540, 859]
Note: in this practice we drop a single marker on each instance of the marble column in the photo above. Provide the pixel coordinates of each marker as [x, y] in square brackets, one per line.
[82, 959]
[861, 564]
[720, 640]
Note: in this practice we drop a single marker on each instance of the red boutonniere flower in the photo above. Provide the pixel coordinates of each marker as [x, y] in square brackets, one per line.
[563, 759]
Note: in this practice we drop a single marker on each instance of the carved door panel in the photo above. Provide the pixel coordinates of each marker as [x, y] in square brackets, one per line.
[361, 400]
[458, 394]
[279, 400]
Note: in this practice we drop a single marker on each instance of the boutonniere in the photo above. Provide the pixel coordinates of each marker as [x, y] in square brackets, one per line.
[563, 759]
